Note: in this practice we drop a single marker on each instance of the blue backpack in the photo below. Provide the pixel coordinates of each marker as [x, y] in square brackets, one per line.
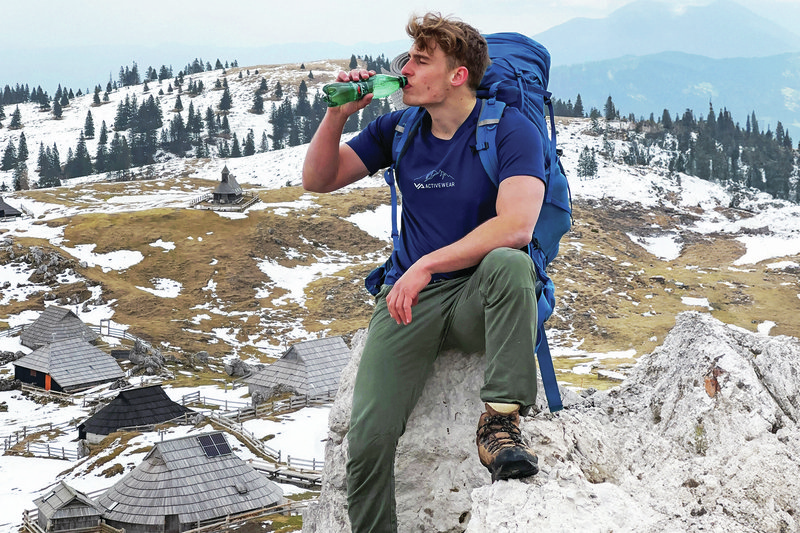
[517, 77]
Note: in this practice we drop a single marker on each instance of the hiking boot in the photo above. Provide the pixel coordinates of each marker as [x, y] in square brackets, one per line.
[500, 445]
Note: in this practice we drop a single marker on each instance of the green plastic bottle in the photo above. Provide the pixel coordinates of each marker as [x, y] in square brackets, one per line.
[380, 85]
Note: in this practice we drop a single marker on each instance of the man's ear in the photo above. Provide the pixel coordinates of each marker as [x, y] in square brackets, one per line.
[460, 76]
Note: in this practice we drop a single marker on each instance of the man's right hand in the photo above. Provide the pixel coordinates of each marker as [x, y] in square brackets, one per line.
[353, 107]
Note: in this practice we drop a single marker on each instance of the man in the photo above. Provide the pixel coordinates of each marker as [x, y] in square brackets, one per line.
[458, 278]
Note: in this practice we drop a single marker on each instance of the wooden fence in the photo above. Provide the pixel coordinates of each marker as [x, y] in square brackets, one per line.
[231, 522]
[10, 332]
[30, 524]
[39, 449]
[248, 199]
[232, 421]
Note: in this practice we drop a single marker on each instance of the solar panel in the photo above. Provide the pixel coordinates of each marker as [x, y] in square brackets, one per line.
[214, 445]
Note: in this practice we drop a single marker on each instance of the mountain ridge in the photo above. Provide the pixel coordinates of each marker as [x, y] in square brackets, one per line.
[768, 86]
[722, 29]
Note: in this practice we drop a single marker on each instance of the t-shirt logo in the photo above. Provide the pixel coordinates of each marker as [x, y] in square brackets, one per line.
[435, 179]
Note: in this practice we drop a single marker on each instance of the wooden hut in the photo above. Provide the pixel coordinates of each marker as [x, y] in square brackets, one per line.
[55, 324]
[310, 368]
[132, 408]
[66, 509]
[228, 191]
[67, 365]
[6, 211]
[186, 482]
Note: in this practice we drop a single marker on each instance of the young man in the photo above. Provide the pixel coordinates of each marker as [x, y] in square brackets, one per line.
[458, 278]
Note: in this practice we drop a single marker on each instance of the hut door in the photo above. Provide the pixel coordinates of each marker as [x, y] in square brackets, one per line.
[172, 524]
[47, 382]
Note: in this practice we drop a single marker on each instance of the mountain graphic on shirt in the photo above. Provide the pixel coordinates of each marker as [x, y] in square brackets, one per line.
[435, 179]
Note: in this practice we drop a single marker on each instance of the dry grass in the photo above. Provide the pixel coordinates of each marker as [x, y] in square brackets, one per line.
[612, 294]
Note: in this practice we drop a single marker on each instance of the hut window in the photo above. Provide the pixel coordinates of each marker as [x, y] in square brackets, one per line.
[33, 373]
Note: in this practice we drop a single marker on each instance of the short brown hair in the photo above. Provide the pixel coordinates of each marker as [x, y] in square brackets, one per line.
[461, 43]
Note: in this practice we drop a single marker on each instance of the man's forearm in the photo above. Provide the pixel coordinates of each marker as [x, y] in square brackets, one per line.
[321, 165]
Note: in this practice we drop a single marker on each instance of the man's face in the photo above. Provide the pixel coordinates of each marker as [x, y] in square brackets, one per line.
[429, 77]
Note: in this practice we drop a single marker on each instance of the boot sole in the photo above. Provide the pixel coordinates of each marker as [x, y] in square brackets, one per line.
[514, 470]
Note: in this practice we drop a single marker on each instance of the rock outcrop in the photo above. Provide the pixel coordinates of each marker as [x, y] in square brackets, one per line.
[702, 436]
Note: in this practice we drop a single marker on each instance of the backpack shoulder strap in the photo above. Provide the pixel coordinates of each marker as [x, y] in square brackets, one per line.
[486, 134]
[486, 146]
[405, 129]
[407, 126]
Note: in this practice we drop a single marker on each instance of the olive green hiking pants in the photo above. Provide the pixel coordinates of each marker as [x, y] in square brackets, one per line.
[491, 311]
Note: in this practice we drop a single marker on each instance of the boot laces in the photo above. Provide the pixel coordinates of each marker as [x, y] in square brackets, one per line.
[498, 432]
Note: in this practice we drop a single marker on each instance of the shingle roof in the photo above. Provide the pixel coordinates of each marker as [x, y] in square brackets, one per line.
[134, 407]
[55, 323]
[72, 363]
[64, 502]
[311, 367]
[177, 477]
[8, 211]
[228, 184]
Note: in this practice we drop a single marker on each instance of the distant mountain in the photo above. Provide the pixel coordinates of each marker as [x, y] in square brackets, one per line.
[770, 86]
[722, 29]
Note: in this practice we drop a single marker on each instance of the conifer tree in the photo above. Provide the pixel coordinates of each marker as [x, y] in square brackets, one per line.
[211, 122]
[88, 126]
[278, 91]
[194, 122]
[100, 160]
[609, 111]
[577, 109]
[42, 159]
[9, 157]
[179, 138]
[303, 107]
[225, 103]
[16, 120]
[249, 144]
[20, 178]
[119, 154]
[258, 104]
[587, 164]
[353, 62]
[666, 120]
[80, 164]
[178, 104]
[224, 150]
[22, 148]
[264, 146]
[57, 111]
[236, 150]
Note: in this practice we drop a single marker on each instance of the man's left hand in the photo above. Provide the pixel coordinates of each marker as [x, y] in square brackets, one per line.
[405, 293]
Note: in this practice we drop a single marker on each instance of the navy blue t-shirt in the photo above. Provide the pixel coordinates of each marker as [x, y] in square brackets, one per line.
[446, 192]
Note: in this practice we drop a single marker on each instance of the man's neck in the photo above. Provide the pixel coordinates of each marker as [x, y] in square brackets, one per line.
[447, 118]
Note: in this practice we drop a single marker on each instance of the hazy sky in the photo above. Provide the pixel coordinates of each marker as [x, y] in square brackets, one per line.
[48, 23]
[38, 37]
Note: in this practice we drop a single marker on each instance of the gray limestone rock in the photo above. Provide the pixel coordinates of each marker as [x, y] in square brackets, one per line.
[702, 436]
